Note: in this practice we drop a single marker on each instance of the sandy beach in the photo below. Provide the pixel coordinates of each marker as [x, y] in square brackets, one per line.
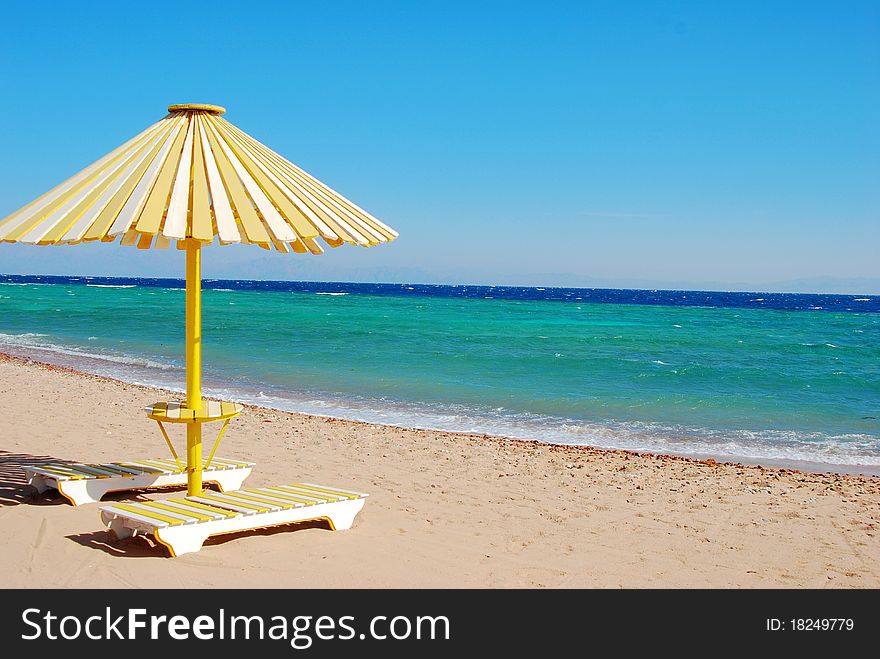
[445, 510]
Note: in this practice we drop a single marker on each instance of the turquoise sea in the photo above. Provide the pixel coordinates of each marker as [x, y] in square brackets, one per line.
[769, 378]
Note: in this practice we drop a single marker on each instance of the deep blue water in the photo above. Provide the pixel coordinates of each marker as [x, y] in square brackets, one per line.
[669, 298]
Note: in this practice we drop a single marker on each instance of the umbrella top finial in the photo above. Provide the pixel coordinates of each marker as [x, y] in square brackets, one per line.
[196, 107]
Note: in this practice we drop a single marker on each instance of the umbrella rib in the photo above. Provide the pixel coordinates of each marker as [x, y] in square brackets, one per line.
[201, 225]
[317, 192]
[135, 202]
[331, 195]
[53, 226]
[254, 230]
[153, 210]
[94, 211]
[27, 217]
[343, 225]
[99, 228]
[226, 227]
[175, 221]
[269, 169]
[294, 216]
[273, 220]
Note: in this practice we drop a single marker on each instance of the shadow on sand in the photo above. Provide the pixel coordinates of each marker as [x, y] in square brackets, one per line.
[146, 547]
[14, 488]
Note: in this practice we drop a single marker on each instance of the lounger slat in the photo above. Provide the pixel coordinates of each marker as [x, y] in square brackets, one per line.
[195, 509]
[146, 469]
[157, 507]
[232, 463]
[217, 463]
[125, 471]
[268, 492]
[223, 500]
[232, 497]
[91, 471]
[321, 496]
[256, 497]
[190, 501]
[157, 465]
[221, 504]
[176, 510]
[149, 468]
[77, 469]
[171, 464]
[116, 510]
[217, 466]
[57, 472]
[309, 501]
[144, 512]
[162, 462]
[341, 493]
[114, 471]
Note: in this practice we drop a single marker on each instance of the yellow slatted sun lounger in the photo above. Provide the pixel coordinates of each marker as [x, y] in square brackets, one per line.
[182, 524]
[87, 483]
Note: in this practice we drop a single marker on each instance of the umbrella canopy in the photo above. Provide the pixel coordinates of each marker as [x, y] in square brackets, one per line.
[195, 175]
[191, 178]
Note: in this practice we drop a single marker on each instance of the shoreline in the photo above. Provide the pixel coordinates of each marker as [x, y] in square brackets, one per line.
[445, 509]
[768, 463]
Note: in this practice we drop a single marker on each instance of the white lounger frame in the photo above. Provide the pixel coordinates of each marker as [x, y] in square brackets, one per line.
[189, 536]
[78, 490]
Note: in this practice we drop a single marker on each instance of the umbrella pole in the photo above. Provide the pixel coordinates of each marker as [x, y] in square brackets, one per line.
[194, 365]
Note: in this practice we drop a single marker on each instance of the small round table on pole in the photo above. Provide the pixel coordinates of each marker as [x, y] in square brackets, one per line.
[209, 412]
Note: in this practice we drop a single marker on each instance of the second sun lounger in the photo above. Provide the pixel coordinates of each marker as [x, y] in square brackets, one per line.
[183, 524]
[87, 483]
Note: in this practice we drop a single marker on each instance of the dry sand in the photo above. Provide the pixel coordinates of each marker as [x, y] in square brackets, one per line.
[446, 510]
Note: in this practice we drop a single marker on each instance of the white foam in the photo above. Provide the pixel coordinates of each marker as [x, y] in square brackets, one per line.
[14, 343]
[110, 285]
[775, 446]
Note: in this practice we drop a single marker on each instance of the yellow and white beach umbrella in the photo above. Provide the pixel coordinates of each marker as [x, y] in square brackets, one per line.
[194, 179]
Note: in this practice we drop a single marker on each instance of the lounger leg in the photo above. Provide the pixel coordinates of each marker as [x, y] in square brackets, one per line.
[229, 480]
[82, 491]
[118, 528]
[181, 539]
[344, 513]
[38, 482]
[87, 491]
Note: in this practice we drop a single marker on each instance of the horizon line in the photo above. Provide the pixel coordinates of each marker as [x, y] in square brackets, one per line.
[378, 283]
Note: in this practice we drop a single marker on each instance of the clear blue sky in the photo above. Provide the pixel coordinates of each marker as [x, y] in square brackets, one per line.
[698, 144]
